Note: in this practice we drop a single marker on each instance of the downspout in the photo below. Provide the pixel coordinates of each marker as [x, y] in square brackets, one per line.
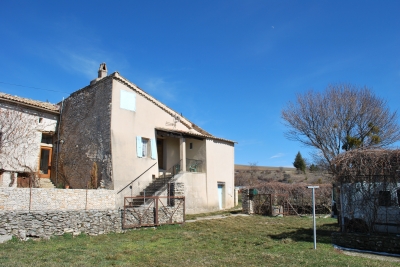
[58, 140]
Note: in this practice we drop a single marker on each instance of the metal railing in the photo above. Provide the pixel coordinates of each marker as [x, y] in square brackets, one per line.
[194, 165]
[136, 178]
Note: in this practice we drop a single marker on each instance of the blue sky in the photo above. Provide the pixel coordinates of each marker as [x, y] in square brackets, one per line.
[229, 66]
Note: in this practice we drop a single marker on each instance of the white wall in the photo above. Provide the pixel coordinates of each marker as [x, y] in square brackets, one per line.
[220, 169]
[126, 125]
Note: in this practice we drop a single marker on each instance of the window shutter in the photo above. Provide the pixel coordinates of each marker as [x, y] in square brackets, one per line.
[139, 146]
[153, 148]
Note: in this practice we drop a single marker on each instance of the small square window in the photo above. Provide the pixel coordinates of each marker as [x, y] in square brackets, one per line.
[384, 198]
[47, 139]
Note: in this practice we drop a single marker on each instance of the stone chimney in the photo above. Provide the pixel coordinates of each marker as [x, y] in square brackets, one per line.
[102, 72]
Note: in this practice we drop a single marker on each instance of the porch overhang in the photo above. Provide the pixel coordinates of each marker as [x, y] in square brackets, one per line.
[164, 132]
[177, 134]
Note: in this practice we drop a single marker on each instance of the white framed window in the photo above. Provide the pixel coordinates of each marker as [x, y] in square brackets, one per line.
[146, 148]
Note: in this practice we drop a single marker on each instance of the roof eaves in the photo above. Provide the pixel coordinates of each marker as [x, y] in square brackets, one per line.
[34, 104]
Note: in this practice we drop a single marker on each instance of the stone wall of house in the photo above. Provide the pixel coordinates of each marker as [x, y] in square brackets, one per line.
[247, 202]
[42, 199]
[85, 137]
[379, 243]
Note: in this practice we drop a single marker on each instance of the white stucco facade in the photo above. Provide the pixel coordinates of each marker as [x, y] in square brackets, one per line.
[204, 160]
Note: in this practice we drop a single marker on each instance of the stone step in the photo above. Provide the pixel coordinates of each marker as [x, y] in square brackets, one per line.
[46, 183]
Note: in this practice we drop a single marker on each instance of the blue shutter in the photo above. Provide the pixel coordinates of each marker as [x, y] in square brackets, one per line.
[139, 146]
[153, 148]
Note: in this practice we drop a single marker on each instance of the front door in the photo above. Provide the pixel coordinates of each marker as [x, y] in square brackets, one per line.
[45, 162]
[220, 196]
[160, 153]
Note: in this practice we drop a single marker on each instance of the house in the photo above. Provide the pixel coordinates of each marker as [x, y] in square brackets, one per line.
[114, 135]
[27, 128]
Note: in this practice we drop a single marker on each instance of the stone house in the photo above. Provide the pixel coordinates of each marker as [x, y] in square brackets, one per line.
[27, 128]
[116, 136]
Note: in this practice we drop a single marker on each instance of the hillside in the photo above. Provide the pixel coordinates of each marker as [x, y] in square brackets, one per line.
[248, 175]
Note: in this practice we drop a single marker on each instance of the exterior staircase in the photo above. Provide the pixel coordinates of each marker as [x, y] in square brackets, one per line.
[46, 183]
[153, 189]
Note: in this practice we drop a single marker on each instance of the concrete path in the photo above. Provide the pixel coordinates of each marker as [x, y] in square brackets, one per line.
[214, 217]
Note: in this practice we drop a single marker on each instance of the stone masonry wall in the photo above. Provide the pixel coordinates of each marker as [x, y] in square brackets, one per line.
[23, 199]
[100, 217]
[379, 243]
[47, 223]
[247, 202]
[85, 131]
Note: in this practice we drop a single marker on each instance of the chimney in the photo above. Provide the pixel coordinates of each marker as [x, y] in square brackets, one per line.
[102, 72]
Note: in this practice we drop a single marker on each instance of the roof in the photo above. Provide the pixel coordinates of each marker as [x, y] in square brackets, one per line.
[194, 134]
[30, 103]
[201, 133]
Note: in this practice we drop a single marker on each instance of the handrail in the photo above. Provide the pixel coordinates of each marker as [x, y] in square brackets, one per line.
[137, 178]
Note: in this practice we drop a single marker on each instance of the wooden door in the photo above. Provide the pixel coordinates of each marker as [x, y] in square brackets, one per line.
[45, 162]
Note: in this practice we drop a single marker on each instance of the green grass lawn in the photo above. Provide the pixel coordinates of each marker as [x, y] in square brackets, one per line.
[233, 241]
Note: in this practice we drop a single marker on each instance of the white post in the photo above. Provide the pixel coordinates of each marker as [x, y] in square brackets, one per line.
[313, 210]
[183, 154]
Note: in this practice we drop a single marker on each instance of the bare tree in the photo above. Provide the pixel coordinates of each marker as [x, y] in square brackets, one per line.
[341, 118]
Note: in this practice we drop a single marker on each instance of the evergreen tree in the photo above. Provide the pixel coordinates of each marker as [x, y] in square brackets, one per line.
[299, 163]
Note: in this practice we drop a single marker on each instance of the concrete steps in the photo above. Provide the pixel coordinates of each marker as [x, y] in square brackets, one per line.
[46, 183]
[158, 184]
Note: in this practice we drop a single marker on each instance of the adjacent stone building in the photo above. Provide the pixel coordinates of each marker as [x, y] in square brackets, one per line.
[27, 128]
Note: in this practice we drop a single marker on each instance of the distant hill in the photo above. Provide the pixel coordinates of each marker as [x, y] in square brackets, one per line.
[248, 175]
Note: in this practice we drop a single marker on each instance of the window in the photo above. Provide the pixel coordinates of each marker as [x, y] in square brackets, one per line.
[191, 145]
[398, 197]
[384, 198]
[47, 139]
[128, 100]
[146, 148]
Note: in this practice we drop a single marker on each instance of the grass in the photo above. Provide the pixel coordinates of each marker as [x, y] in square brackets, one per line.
[233, 241]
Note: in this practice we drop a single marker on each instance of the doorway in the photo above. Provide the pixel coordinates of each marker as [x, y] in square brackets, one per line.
[160, 153]
[45, 162]
[221, 187]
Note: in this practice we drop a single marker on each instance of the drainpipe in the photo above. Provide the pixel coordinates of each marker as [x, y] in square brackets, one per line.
[58, 141]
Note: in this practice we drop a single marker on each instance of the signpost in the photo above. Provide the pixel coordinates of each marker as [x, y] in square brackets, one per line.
[313, 211]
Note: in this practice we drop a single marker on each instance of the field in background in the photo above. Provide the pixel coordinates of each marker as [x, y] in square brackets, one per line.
[233, 241]
[247, 175]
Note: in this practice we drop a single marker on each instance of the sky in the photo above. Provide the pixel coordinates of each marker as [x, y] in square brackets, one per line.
[228, 66]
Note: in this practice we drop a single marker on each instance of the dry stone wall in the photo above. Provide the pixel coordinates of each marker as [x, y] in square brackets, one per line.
[93, 212]
[44, 224]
